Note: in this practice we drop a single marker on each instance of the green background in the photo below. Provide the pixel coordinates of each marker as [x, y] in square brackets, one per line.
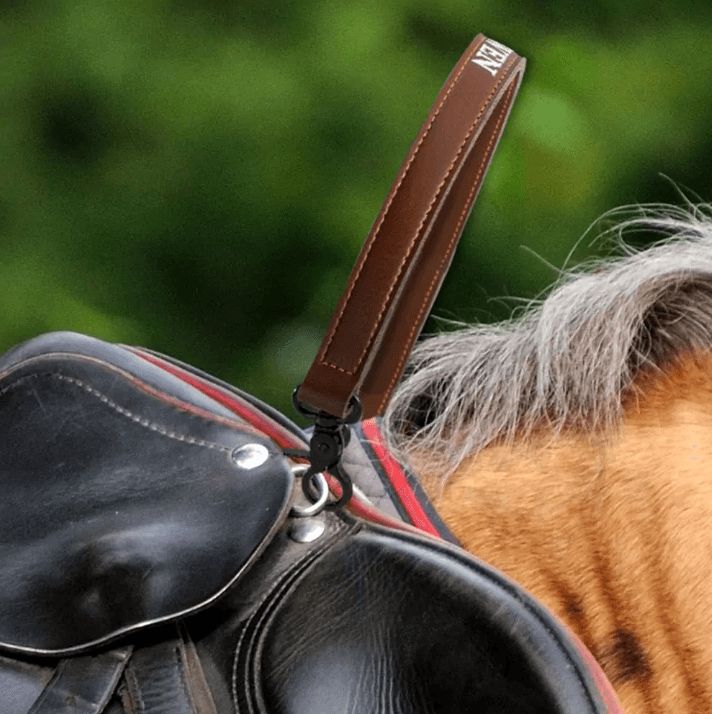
[198, 176]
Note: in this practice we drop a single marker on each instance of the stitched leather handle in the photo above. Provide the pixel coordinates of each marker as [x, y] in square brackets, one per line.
[410, 247]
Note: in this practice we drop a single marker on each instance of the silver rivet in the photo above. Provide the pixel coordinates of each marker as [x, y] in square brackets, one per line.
[306, 530]
[250, 456]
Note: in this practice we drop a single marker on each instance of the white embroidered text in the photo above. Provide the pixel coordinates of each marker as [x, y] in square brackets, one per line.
[491, 56]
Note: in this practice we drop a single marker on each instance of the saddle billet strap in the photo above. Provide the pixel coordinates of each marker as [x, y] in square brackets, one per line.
[168, 677]
[83, 685]
[409, 249]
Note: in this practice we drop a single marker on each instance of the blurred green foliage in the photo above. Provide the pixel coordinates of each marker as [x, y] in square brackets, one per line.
[197, 176]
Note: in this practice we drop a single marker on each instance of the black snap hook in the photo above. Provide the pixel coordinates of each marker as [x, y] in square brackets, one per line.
[330, 437]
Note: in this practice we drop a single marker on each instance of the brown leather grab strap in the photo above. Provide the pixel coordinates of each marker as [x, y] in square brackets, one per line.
[410, 247]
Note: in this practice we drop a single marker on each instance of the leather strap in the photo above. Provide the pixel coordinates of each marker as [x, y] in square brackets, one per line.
[410, 247]
[83, 685]
[167, 678]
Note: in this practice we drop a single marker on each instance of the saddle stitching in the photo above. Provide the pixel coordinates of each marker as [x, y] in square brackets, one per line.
[152, 694]
[136, 418]
[323, 361]
[182, 669]
[134, 689]
[448, 250]
[271, 599]
[387, 208]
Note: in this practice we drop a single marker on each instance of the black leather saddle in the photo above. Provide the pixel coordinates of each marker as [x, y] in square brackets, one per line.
[155, 557]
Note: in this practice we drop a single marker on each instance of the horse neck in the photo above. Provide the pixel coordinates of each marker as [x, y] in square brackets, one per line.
[612, 533]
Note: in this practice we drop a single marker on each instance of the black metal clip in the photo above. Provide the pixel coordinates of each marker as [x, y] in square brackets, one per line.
[330, 437]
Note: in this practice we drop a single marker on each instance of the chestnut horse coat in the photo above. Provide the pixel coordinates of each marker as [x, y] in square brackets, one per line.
[572, 449]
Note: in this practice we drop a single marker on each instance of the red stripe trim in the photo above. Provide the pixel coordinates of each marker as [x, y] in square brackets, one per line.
[398, 479]
[369, 513]
[395, 474]
[284, 438]
[162, 396]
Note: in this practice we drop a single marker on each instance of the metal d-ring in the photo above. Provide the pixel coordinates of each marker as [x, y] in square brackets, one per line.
[322, 489]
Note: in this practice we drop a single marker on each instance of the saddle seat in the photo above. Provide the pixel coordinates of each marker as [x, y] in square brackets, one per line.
[150, 562]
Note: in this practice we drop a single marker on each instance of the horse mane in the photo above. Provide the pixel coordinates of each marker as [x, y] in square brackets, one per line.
[570, 360]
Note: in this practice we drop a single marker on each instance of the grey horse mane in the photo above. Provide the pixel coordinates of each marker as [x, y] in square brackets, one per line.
[569, 361]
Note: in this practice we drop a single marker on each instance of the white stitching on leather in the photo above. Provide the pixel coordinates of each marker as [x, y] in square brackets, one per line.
[153, 426]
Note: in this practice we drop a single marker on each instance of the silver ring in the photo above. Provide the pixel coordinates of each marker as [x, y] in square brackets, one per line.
[322, 488]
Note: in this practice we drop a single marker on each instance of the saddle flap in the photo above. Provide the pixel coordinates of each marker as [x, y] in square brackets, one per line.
[127, 497]
[409, 624]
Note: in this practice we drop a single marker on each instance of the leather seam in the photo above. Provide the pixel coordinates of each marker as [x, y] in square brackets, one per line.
[134, 688]
[436, 113]
[269, 601]
[323, 360]
[141, 421]
[49, 688]
[181, 404]
[192, 667]
[180, 662]
[453, 239]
